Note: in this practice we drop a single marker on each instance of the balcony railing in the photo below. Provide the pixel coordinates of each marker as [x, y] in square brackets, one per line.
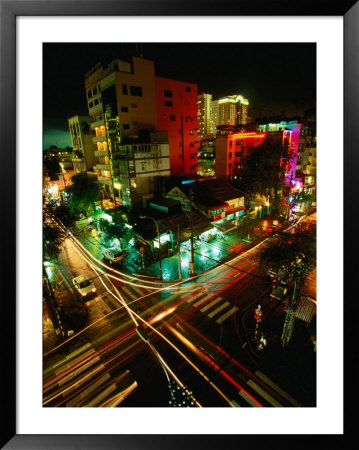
[101, 153]
[98, 139]
[98, 121]
[103, 166]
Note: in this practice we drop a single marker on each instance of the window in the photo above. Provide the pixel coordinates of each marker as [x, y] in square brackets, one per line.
[172, 117]
[237, 154]
[89, 95]
[229, 166]
[136, 90]
[239, 142]
[168, 104]
[94, 91]
[124, 109]
[230, 155]
[126, 126]
[168, 93]
[90, 104]
[188, 89]
[124, 89]
[134, 105]
[96, 101]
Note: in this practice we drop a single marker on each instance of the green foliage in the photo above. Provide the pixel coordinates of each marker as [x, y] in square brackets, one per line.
[64, 214]
[146, 228]
[53, 239]
[294, 252]
[84, 192]
[73, 316]
[116, 230]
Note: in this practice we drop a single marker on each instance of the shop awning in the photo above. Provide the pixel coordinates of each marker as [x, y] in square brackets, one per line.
[306, 309]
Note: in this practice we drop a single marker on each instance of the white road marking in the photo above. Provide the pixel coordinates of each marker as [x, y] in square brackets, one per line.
[227, 314]
[88, 390]
[217, 310]
[248, 399]
[193, 298]
[263, 393]
[211, 304]
[277, 388]
[203, 300]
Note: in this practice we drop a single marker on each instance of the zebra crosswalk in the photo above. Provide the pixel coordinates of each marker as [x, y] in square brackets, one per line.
[217, 308]
[214, 306]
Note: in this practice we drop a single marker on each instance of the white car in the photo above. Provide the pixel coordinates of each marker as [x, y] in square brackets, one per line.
[83, 285]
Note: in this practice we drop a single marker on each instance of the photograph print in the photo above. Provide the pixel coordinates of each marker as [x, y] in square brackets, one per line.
[179, 225]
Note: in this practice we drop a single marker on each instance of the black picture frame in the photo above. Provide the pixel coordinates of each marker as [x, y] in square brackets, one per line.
[9, 10]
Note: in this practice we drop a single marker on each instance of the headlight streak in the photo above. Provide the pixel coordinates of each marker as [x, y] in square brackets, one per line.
[88, 374]
[205, 358]
[132, 314]
[174, 376]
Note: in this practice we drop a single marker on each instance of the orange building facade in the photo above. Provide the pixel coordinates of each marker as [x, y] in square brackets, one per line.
[176, 104]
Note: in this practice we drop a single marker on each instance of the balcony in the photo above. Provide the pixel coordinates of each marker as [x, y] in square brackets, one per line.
[103, 166]
[99, 139]
[101, 153]
[98, 121]
[104, 180]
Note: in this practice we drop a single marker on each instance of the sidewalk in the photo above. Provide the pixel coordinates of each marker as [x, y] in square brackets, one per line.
[215, 252]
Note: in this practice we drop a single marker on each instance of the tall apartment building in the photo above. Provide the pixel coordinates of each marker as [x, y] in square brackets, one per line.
[129, 107]
[307, 158]
[128, 89]
[204, 114]
[83, 157]
[176, 103]
[231, 110]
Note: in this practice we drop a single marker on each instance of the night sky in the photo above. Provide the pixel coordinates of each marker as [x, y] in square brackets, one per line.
[274, 77]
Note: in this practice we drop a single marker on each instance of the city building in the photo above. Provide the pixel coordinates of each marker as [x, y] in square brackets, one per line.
[206, 158]
[176, 104]
[129, 107]
[231, 151]
[231, 110]
[83, 157]
[204, 114]
[128, 89]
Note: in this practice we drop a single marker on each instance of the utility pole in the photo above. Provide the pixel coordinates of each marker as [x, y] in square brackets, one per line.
[191, 264]
[290, 317]
[179, 253]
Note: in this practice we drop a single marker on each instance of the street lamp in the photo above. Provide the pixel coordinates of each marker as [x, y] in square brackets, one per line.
[159, 241]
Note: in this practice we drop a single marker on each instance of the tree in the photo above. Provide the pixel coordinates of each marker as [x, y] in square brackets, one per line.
[53, 239]
[84, 192]
[294, 253]
[264, 172]
[64, 214]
